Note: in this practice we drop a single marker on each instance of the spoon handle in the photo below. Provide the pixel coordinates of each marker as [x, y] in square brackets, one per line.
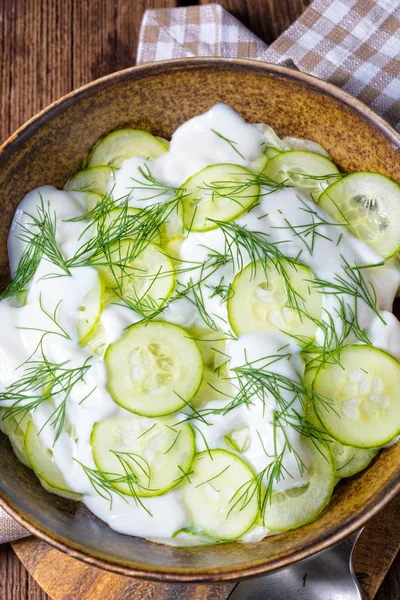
[328, 575]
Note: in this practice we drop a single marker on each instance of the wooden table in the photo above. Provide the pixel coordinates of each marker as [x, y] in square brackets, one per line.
[49, 47]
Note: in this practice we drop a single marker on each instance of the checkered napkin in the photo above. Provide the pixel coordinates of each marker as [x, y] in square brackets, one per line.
[352, 43]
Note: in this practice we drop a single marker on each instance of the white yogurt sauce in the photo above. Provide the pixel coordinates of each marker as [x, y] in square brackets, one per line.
[195, 145]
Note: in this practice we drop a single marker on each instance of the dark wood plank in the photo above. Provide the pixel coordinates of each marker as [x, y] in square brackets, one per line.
[15, 581]
[390, 588]
[50, 47]
[65, 578]
[376, 549]
[266, 18]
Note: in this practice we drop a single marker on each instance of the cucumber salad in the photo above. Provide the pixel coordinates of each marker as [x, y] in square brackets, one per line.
[198, 341]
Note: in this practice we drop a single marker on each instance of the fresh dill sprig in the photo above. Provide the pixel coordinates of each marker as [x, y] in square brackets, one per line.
[106, 484]
[42, 380]
[239, 191]
[231, 143]
[351, 283]
[262, 484]
[60, 331]
[308, 232]
[27, 267]
[194, 293]
[242, 244]
[150, 183]
[118, 242]
[256, 380]
[41, 231]
[39, 237]
[318, 177]
[143, 304]
[224, 291]
[335, 334]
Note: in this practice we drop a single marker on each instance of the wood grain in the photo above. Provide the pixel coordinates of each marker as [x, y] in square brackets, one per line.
[48, 48]
[65, 578]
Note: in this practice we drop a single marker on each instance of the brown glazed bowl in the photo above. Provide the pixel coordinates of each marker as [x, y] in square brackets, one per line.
[159, 97]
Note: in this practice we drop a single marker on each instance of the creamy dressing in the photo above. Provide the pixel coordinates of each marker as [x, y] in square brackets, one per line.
[197, 144]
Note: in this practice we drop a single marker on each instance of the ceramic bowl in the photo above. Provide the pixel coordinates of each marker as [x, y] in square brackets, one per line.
[159, 97]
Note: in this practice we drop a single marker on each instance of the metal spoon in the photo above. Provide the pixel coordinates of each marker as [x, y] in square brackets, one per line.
[328, 575]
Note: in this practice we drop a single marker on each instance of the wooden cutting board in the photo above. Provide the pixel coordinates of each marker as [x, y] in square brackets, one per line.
[65, 578]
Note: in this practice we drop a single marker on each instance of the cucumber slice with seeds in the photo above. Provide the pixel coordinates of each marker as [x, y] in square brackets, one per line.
[363, 389]
[120, 145]
[221, 192]
[260, 301]
[155, 451]
[370, 204]
[94, 179]
[212, 496]
[42, 463]
[297, 506]
[90, 311]
[155, 369]
[302, 169]
[347, 460]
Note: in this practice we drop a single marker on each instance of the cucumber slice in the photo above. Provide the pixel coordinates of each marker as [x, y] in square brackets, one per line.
[97, 340]
[259, 301]
[146, 281]
[258, 165]
[271, 138]
[173, 227]
[155, 451]
[90, 311]
[172, 248]
[213, 387]
[15, 430]
[212, 346]
[302, 169]
[305, 145]
[91, 199]
[297, 506]
[370, 204]
[125, 214]
[164, 141]
[239, 439]
[213, 495]
[41, 461]
[348, 460]
[270, 152]
[364, 411]
[220, 192]
[120, 145]
[94, 179]
[155, 369]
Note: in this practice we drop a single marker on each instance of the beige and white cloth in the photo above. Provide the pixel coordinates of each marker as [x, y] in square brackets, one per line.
[354, 44]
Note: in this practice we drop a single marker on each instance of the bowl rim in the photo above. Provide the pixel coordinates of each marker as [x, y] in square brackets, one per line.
[351, 524]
